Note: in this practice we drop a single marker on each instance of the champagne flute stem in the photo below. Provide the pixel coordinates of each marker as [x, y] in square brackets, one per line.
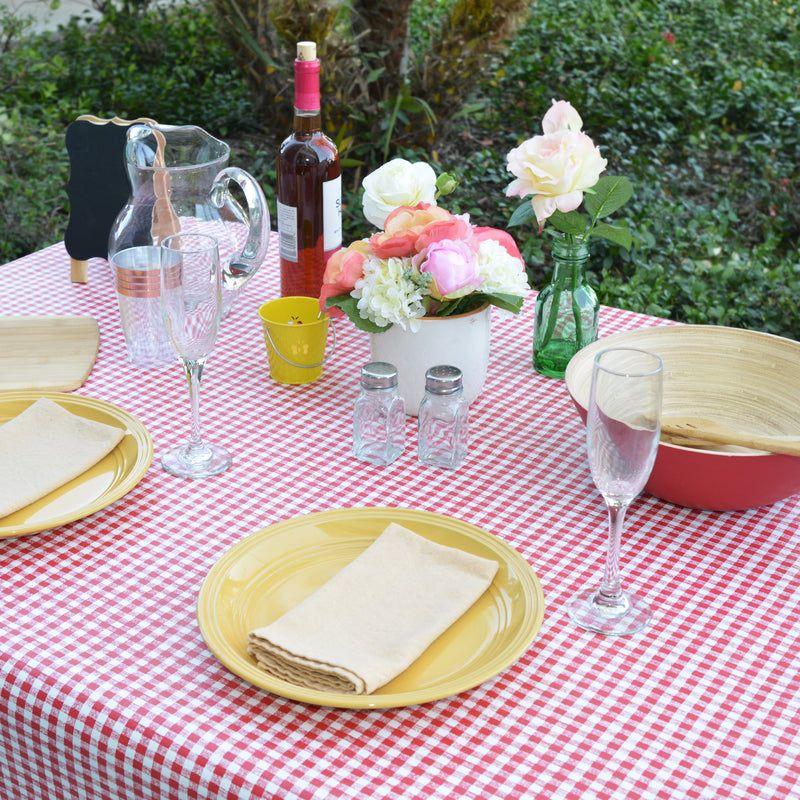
[194, 372]
[610, 588]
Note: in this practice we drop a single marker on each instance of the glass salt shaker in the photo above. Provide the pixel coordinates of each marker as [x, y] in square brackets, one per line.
[443, 419]
[379, 422]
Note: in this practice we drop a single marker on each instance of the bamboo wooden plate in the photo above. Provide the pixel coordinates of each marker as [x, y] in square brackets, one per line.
[54, 354]
[744, 379]
[268, 572]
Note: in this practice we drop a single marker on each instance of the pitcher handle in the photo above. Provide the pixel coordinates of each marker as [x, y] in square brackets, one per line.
[243, 266]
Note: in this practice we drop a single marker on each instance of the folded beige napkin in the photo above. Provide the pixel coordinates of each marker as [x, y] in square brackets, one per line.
[375, 617]
[44, 447]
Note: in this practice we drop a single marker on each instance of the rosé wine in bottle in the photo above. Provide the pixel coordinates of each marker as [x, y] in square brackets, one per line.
[309, 187]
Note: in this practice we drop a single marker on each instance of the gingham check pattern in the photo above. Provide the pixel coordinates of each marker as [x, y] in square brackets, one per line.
[107, 691]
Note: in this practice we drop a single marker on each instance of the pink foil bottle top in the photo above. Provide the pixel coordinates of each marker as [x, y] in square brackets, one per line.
[306, 77]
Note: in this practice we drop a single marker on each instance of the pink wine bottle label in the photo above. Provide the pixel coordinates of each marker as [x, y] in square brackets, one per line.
[306, 78]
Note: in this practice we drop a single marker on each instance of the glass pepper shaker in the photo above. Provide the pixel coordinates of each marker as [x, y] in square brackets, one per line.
[379, 422]
[443, 419]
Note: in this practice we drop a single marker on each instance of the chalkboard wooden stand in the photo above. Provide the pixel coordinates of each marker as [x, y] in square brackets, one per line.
[98, 186]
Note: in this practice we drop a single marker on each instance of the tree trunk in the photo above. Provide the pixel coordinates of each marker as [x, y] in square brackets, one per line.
[473, 32]
[386, 31]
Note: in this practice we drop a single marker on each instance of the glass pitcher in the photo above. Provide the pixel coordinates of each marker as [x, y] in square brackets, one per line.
[179, 182]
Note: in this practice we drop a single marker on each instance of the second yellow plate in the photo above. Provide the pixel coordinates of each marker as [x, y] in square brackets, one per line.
[98, 487]
[269, 572]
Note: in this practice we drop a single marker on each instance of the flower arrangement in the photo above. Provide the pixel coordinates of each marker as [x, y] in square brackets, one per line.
[424, 261]
[560, 170]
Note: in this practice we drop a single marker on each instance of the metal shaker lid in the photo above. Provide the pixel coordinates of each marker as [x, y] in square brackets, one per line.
[378, 375]
[443, 379]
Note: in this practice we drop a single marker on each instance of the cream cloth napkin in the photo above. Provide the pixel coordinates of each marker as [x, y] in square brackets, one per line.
[46, 446]
[374, 617]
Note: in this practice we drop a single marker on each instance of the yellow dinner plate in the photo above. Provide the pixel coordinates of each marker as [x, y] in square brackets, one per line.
[272, 570]
[98, 487]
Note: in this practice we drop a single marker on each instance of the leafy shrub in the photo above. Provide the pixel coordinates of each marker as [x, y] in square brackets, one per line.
[32, 194]
[696, 102]
[165, 63]
[380, 90]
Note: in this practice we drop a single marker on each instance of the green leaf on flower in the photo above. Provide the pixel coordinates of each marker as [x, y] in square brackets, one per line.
[471, 302]
[618, 233]
[457, 306]
[508, 302]
[429, 304]
[572, 222]
[349, 305]
[610, 193]
[522, 214]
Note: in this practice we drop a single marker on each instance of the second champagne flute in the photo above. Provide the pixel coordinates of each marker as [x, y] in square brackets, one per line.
[191, 302]
[622, 432]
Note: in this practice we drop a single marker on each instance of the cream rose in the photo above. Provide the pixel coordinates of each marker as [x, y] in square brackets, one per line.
[556, 169]
[397, 183]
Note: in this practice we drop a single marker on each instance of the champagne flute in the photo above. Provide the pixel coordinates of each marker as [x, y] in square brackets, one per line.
[191, 303]
[622, 432]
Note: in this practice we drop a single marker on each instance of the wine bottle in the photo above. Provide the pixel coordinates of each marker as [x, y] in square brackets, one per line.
[309, 186]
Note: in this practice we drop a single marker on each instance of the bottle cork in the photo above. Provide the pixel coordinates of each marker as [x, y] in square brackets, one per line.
[306, 51]
[306, 77]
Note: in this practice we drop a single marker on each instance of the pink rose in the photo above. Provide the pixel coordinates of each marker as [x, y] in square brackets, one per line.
[454, 228]
[393, 245]
[346, 266]
[331, 290]
[403, 226]
[561, 116]
[414, 217]
[453, 267]
[503, 238]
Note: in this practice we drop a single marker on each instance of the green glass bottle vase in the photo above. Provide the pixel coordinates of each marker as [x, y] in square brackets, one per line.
[566, 310]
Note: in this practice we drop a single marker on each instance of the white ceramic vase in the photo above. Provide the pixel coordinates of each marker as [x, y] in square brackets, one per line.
[460, 341]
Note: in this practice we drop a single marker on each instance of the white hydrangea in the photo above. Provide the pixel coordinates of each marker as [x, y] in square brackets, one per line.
[502, 273]
[388, 294]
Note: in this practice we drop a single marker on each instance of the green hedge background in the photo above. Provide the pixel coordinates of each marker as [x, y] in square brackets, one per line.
[698, 103]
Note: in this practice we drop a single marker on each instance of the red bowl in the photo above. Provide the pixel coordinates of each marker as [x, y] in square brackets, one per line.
[739, 377]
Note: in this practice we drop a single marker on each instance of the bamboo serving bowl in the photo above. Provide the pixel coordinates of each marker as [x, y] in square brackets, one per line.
[746, 380]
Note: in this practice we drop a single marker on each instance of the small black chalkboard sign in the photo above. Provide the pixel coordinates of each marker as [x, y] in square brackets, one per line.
[97, 188]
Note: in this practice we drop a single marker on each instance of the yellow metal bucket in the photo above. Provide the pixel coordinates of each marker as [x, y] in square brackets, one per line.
[296, 335]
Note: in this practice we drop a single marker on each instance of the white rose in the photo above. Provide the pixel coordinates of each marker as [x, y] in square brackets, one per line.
[397, 183]
[556, 169]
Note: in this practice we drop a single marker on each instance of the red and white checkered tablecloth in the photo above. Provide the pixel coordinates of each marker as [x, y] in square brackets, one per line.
[107, 690]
